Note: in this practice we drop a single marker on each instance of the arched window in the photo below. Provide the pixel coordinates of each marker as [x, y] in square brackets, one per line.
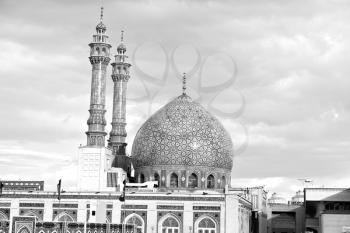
[63, 217]
[210, 182]
[170, 225]
[193, 181]
[223, 181]
[206, 225]
[142, 178]
[157, 178]
[174, 180]
[135, 219]
[32, 214]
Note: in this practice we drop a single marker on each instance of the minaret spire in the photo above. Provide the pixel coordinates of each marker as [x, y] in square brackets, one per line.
[184, 84]
[120, 77]
[99, 59]
[101, 16]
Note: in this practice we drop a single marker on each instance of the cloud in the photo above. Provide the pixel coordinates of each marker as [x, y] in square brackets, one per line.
[292, 68]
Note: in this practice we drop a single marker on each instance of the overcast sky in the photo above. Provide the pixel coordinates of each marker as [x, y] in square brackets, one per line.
[284, 66]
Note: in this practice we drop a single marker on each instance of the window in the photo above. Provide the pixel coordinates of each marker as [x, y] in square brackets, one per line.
[64, 217]
[193, 181]
[223, 181]
[142, 178]
[112, 179]
[136, 220]
[206, 225]
[174, 181]
[156, 178]
[170, 225]
[210, 182]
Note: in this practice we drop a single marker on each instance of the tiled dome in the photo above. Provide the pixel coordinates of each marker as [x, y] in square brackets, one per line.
[101, 26]
[183, 134]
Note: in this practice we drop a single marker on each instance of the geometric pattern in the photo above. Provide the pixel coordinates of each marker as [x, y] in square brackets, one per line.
[183, 133]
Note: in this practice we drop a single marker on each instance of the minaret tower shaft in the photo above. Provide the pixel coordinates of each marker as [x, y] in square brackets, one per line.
[99, 59]
[120, 77]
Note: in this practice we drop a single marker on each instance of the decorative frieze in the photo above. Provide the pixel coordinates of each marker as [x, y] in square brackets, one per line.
[32, 205]
[134, 207]
[169, 207]
[210, 208]
[65, 205]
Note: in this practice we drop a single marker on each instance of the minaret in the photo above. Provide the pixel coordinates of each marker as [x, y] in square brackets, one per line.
[99, 59]
[120, 76]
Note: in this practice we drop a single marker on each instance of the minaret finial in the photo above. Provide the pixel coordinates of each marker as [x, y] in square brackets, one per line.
[184, 84]
[122, 36]
[101, 16]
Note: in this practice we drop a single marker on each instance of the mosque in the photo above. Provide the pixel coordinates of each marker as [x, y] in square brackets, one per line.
[177, 179]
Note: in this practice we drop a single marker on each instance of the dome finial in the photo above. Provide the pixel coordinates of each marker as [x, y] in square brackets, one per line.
[184, 84]
[101, 16]
[122, 36]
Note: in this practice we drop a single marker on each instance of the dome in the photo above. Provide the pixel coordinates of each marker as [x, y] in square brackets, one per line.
[101, 26]
[275, 199]
[121, 46]
[182, 135]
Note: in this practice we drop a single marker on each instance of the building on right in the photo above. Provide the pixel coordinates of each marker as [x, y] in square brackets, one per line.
[327, 210]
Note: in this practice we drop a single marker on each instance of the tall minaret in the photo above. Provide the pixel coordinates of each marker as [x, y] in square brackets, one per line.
[99, 59]
[120, 76]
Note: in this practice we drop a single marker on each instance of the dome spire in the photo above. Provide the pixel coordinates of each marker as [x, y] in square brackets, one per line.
[122, 36]
[101, 16]
[184, 84]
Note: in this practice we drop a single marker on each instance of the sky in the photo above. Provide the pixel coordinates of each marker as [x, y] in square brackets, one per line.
[275, 73]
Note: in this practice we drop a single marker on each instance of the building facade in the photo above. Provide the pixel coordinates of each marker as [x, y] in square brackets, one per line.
[327, 210]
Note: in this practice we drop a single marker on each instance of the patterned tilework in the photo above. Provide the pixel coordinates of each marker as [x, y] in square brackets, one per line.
[4, 214]
[211, 208]
[134, 207]
[4, 226]
[213, 215]
[175, 214]
[133, 215]
[38, 213]
[63, 205]
[35, 205]
[23, 225]
[169, 207]
[5, 204]
[183, 133]
[69, 215]
[110, 197]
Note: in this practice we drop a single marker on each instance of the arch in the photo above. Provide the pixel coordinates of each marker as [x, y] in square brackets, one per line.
[193, 181]
[205, 224]
[63, 217]
[142, 178]
[31, 213]
[174, 180]
[157, 178]
[169, 223]
[23, 229]
[210, 182]
[97, 50]
[41, 231]
[135, 219]
[3, 216]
